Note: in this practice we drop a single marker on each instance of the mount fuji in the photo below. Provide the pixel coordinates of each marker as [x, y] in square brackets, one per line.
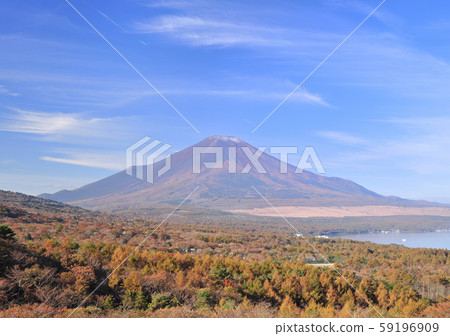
[220, 189]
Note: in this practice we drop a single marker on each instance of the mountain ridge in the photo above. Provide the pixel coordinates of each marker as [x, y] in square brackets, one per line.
[218, 188]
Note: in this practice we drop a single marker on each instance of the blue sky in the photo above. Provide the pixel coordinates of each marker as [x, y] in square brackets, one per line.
[377, 112]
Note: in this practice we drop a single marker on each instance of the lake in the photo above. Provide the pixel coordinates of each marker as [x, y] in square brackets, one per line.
[409, 239]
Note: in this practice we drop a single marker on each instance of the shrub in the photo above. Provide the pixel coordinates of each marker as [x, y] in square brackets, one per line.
[6, 232]
[159, 301]
[204, 299]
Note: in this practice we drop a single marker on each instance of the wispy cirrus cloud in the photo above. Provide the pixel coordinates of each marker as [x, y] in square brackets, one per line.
[301, 96]
[61, 126]
[425, 147]
[373, 57]
[71, 128]
[420, 146]
[76, 90]
[238, 24]
[204, 31]
[342, 138]
[64, 72]
[111, 160]
[389, 63]
[306, 96]
[5, 91]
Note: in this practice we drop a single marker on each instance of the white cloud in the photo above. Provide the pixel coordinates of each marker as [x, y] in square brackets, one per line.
[100, 159]
[342, 138]
[79, 90]
[425, 147]
[388, 63]
[302, 95]
[61, 124]
[201, 31]
[421, 146]
[65, 72]
[381, 60]
[4, 90]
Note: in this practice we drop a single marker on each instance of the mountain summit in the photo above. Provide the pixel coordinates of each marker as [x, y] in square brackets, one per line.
[219, 188]
[220, 140]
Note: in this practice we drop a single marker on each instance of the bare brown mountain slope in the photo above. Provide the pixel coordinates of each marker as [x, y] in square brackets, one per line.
[219, 189]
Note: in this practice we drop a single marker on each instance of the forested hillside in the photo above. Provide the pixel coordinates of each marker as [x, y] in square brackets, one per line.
[52, 256]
